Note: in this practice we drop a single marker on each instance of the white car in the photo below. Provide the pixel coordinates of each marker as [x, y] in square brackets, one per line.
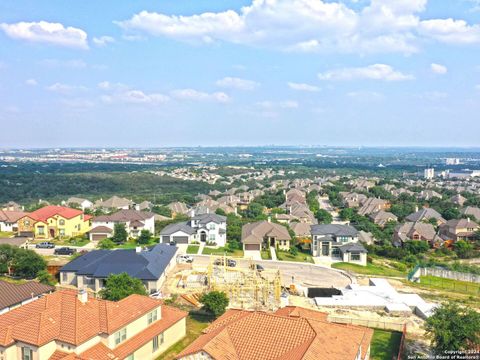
[184, 259]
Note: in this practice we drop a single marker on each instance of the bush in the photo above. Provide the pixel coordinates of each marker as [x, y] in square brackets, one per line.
[144, 238]
[46, 278]
[106, 244]
[215, 302]
[120, 286]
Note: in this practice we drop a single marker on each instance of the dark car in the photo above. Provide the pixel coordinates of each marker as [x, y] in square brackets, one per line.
[257, 267]
[64, 251]
[45, 245]
[230, 262]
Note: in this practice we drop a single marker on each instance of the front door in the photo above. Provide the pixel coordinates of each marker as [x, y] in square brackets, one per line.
[272, 241]
[325, 249]
[203, 236]
[52, 233]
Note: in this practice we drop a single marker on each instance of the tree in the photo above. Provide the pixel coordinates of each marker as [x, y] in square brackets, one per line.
[453, 328]
[323, 216]
[119, 233]
[144, 238]
[28, 263]
[119, 286]
[416, 246]
[106, 244]
[7, 258]
[162, 210]
[463, 249]
[46, 278]
[254, 211]
[347, 214]
[451, 213]
[220, 212]
[215, 302]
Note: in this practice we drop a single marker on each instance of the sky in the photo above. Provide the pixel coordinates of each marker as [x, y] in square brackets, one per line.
[230, 72]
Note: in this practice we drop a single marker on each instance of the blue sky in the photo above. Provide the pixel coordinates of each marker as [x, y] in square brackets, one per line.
[257, 72]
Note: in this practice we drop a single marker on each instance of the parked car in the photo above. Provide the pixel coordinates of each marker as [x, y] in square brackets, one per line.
[156, 295]
[173, 243]
[184, 259]
[45, 245]
[230, 262]
[65, 251]
[257, 267]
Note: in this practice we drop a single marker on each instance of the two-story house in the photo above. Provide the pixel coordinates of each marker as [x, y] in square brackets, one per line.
[134, 220]
[53, 221]
[338, 243]
[70, 325]
[459, 229]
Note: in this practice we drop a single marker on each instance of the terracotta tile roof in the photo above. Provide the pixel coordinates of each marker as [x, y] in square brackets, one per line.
[61, 316]
[291, 333]
[43, 214]
[99, 352]
[12, 294]
[60, 355]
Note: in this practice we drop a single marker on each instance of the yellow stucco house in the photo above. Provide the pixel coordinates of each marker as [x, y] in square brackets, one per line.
[54, 221]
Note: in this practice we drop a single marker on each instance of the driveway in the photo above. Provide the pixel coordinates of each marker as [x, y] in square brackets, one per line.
[252, 254]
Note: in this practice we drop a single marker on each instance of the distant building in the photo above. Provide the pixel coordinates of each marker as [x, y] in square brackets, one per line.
[429, 173]
[452, 161]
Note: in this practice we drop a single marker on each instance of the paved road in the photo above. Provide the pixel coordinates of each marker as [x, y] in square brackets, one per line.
[308, 275]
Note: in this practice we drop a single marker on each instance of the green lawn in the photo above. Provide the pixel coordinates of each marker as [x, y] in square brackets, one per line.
[195, 325]
[133, 245]
[192, 249]
[369, 269]
[6, 234]
[222, 251]
[457, 286]
[300, 257]
[266, 255]
[385, 344]
[73, 242]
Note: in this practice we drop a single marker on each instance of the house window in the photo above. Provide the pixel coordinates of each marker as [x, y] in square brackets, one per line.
[155, 343]
[61, 222]
[355, 256]
[64, 277]
[162, 338]
[27, 353]
[61, 232]
[27, 222]
[152, 316]
[335, 251]
[211, 226]
[41, 230]
[120, 336]
[211, 237]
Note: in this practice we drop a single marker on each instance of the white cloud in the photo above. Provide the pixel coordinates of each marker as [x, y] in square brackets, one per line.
[450, 31]
[46, 32]
[103, 40]
[371, 72]
[136, 97]
[303, 87]
[309, 25]
[438, 69]
[64, 88]
[237, 83]
[107, 85]
[192, 94]
[286, 104]
[434, 95]
[31, 82]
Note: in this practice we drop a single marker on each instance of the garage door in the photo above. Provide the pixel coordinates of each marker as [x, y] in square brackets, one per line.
[180, 239]
[165, 239]
[252, 246]
[98, 237]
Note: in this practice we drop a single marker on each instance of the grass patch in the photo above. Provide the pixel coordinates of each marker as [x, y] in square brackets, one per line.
[73, 242]
[462, 287]
[134, 244]
[385, 344]
[221, 251]
[195, 325]
[266, 255]
[369, 269]
[192, 249]
[299, 257]
[13, 280]
[6, 234]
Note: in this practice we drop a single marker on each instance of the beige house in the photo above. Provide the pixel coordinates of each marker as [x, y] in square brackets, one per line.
[263, 234]
[461, 229]
[67, 325]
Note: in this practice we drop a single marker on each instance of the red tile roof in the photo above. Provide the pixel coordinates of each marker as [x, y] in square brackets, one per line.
[43, 214]
[290, 334]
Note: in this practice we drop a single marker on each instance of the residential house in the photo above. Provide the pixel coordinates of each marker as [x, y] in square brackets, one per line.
[338, 243]
[9, 220]
[206, 227]
[382, 218]
[458, 200]
[289, 333]
[425, 215]
[428, 195]
[301, 230]
[372, 205]
[114, 203]
[178, 208]
[54, 221]
[472, 211]
[459, 229]
[18, 241]
[14, 295]
[77, 202]
[150, 265]
[11, 206]
[415, 231]
[143, 206]
[70, 325]
[134, 220]
[352, 200]
[263, 234]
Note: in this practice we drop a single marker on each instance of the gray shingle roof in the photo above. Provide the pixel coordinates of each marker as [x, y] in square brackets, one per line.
[207, 218]
[352, 247]
[334, 229]
[173, 228]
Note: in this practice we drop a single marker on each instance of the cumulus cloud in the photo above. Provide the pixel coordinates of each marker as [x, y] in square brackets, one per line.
[195, 95]
[103, 40]
[136, 97]
[303, 87]
[237, 83]
[64, 88]
[47, 32]
[438, 68]
[372, 72]
[310, 26]
[31, 82]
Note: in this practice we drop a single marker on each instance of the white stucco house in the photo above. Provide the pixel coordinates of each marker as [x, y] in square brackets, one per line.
[135, 221]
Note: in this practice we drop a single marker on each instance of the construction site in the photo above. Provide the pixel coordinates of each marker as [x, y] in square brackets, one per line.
[247, 288]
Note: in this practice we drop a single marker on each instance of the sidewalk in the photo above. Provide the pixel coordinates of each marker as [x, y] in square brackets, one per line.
[273, 253]
[200, 248]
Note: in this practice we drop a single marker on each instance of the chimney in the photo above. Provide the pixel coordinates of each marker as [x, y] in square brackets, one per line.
[416, 208]
[468, 219]
[82, 296]
[138, 249]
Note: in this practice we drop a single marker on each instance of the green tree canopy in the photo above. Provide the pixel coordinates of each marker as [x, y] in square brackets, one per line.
[120, 286]
[453, 328]
[463, 249]
[28, 263]
[323, 216]
[119, 233]
[162, 210]
[106, 244]
[215, 302]
[145, 237]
